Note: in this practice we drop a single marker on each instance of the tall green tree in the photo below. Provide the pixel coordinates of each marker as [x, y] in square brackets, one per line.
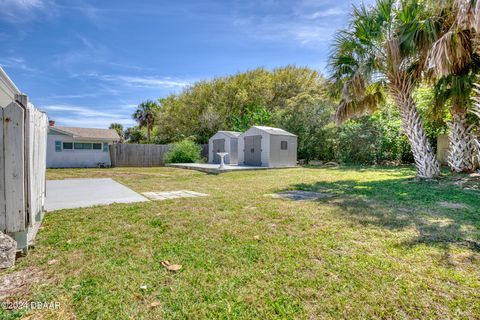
[385, 49]
[119, 128]
[455, 61]
[134, 135]
[145, 115]
[236, 102]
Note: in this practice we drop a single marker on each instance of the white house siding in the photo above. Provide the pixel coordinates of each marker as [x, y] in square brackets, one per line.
[74, 158]
[265, 155]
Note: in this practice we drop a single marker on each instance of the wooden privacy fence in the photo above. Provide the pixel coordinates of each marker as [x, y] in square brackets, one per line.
[23, 145]
[142, 155]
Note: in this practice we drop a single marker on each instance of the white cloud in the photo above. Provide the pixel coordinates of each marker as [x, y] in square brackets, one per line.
[71, 96]
[143, 82]
[77, 110]
[15, 63]
[330, 12]
[101, 123]
[82, 116]
[304, 33]
[18, 11]
[309, 23]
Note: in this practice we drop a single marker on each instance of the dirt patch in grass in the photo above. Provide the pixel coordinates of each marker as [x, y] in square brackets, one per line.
[469, 182]
[452, 205]
[18, 283]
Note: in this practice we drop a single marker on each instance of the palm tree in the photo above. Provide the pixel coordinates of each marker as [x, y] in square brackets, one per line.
[145, 116]
[119, 128]
[455, 91]
[384, 49]
[454, 60]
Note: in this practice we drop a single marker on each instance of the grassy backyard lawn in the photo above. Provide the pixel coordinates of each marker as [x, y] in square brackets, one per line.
[383, 246]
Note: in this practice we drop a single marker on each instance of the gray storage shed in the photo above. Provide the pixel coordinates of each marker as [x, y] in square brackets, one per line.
[267, 147]
[224, 141]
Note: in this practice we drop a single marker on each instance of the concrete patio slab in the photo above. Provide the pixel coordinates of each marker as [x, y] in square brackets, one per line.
[165, 195]
[80, 193]
[215, 168]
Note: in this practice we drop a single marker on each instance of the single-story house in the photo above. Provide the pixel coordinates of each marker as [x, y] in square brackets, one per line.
[267, 147]
[71, 147]
[224, 141]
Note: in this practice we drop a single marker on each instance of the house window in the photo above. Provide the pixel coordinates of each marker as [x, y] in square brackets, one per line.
[97, 146]
[67, 146]
[105, 147]
[58, 146]
[283, 145]
[82, 146]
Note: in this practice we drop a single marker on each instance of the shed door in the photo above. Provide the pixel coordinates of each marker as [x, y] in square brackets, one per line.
[253, 151]
[218, 146]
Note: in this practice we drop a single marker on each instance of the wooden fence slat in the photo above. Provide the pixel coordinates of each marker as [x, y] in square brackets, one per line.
[3, 215]
[29, 175]
[35, 150]
[14, 167]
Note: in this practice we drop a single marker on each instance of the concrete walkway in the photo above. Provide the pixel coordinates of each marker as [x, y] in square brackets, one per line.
[80, 193]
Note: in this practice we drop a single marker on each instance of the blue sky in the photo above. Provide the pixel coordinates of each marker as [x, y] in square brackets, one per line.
[89, 63]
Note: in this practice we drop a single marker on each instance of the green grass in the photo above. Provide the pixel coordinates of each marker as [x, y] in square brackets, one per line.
[382, 247]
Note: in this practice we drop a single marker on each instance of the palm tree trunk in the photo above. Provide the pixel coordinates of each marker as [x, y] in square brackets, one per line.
[476, 111]
[425, 160]
[148, 133]
[461, 142]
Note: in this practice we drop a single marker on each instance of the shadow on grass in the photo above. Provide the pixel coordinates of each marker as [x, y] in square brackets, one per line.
[401, 203]
[402, 170]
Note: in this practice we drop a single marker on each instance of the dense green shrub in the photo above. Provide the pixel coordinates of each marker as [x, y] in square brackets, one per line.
[185, 151]
[372, 139]
[310, 118]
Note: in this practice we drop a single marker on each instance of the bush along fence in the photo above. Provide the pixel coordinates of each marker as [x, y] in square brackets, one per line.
[143, 155]
[23, 141]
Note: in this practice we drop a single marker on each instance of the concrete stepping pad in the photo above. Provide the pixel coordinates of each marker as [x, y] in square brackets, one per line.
[165, 195]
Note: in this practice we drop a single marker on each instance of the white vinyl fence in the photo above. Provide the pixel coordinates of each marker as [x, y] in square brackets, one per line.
[23, 141]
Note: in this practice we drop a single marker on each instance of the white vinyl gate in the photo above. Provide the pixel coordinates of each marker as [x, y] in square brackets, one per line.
[23, 141]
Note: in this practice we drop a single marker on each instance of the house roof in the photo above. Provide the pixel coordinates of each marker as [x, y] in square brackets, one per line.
[275, 131]
[88, 133]
[231, 134]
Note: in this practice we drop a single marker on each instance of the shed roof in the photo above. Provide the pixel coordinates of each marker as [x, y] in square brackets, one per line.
[88, 133]
[275, 131]
[231, 134]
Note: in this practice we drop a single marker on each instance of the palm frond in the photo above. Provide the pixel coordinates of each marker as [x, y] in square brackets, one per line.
[369, 102]
[452, 52]
[467, 14]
